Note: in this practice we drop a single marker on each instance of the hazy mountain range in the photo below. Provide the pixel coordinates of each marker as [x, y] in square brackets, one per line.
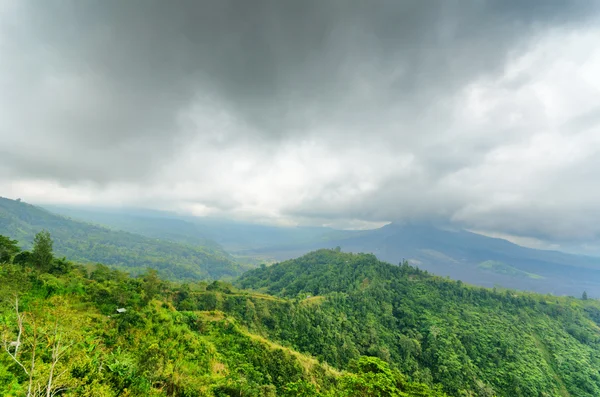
[184, 246]
[85, 242]
[459, 254]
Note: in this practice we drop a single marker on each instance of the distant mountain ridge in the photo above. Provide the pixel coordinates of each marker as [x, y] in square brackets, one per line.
[462, 255]
[164, 226]
[88, 243]
[241, 238]
[459, 254]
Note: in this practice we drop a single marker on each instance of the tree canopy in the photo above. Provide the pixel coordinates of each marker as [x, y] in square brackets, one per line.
[62, 335]
[328, 324]
[42, 253]
[8, 248]
[471, 340]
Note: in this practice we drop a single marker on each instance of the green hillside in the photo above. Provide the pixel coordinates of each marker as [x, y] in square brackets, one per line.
[503, 268]
[328, 324]
[473, 341]
[61, 335]
[240, 238]
[87, 243]
[164, 226]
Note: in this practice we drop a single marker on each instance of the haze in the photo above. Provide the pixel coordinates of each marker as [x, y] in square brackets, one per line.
[482, 115]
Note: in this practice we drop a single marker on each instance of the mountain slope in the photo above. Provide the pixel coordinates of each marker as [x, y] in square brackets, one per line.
[74, 342]
[234, 236]
[459, 254]
[85, 243]
[474, 341]
[156, 224]
[462, 255]
[466, 256]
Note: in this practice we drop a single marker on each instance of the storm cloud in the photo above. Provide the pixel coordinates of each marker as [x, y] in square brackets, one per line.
[481, 114]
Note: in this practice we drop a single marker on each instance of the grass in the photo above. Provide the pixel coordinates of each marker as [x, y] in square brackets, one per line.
[503, 268]
[313, 300]
[309, 364]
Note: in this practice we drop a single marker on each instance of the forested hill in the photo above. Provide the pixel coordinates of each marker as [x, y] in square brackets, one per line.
[459, 254]
[336, 325]
[65, 331]
[474, 341]
[466, 256]
[155, 224]
[84, 242]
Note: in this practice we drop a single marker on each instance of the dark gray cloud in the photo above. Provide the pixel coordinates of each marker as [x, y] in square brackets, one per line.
[343, 110]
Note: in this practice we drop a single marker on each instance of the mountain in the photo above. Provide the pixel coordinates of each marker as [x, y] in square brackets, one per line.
[327, 324]
[241, 239]
[88, 243]
[155, 224]
[470, 257]
[474, 341]
[459, 254]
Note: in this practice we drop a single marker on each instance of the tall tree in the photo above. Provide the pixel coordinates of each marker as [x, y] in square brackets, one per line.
[8, 248]
[42, 250]
[152, 284]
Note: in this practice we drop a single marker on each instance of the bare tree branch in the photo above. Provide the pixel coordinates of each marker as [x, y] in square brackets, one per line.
[17, 343]
[58, 348]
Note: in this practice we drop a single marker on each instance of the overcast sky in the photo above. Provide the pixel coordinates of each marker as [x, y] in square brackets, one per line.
[481, 114]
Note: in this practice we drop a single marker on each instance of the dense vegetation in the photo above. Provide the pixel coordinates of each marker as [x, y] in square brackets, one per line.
[473, 341]
[61, 335]
[459, 254]
[88, 243]
[374, 329]
[466, 256]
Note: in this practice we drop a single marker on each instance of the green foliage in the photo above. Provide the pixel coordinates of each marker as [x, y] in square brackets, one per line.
[42, 253]
[68, 325]
[8, 248]
[472, 341]
[503, 268]
[87, 243]
[372, 377]
[150, 350]
[300, 388]
[333, 325]
[22, 258]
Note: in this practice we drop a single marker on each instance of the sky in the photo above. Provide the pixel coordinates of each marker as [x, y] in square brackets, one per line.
[479, 114]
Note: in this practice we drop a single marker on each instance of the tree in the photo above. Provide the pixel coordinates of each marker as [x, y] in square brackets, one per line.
[42, 250]
[300, 388]
[370, 376]
[39, 352]
[22, 258]
[8, 248]
[584, 296]
[151, 285]
[16, 345]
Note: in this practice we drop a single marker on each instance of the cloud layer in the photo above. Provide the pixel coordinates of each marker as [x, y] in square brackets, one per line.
[485, 115]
